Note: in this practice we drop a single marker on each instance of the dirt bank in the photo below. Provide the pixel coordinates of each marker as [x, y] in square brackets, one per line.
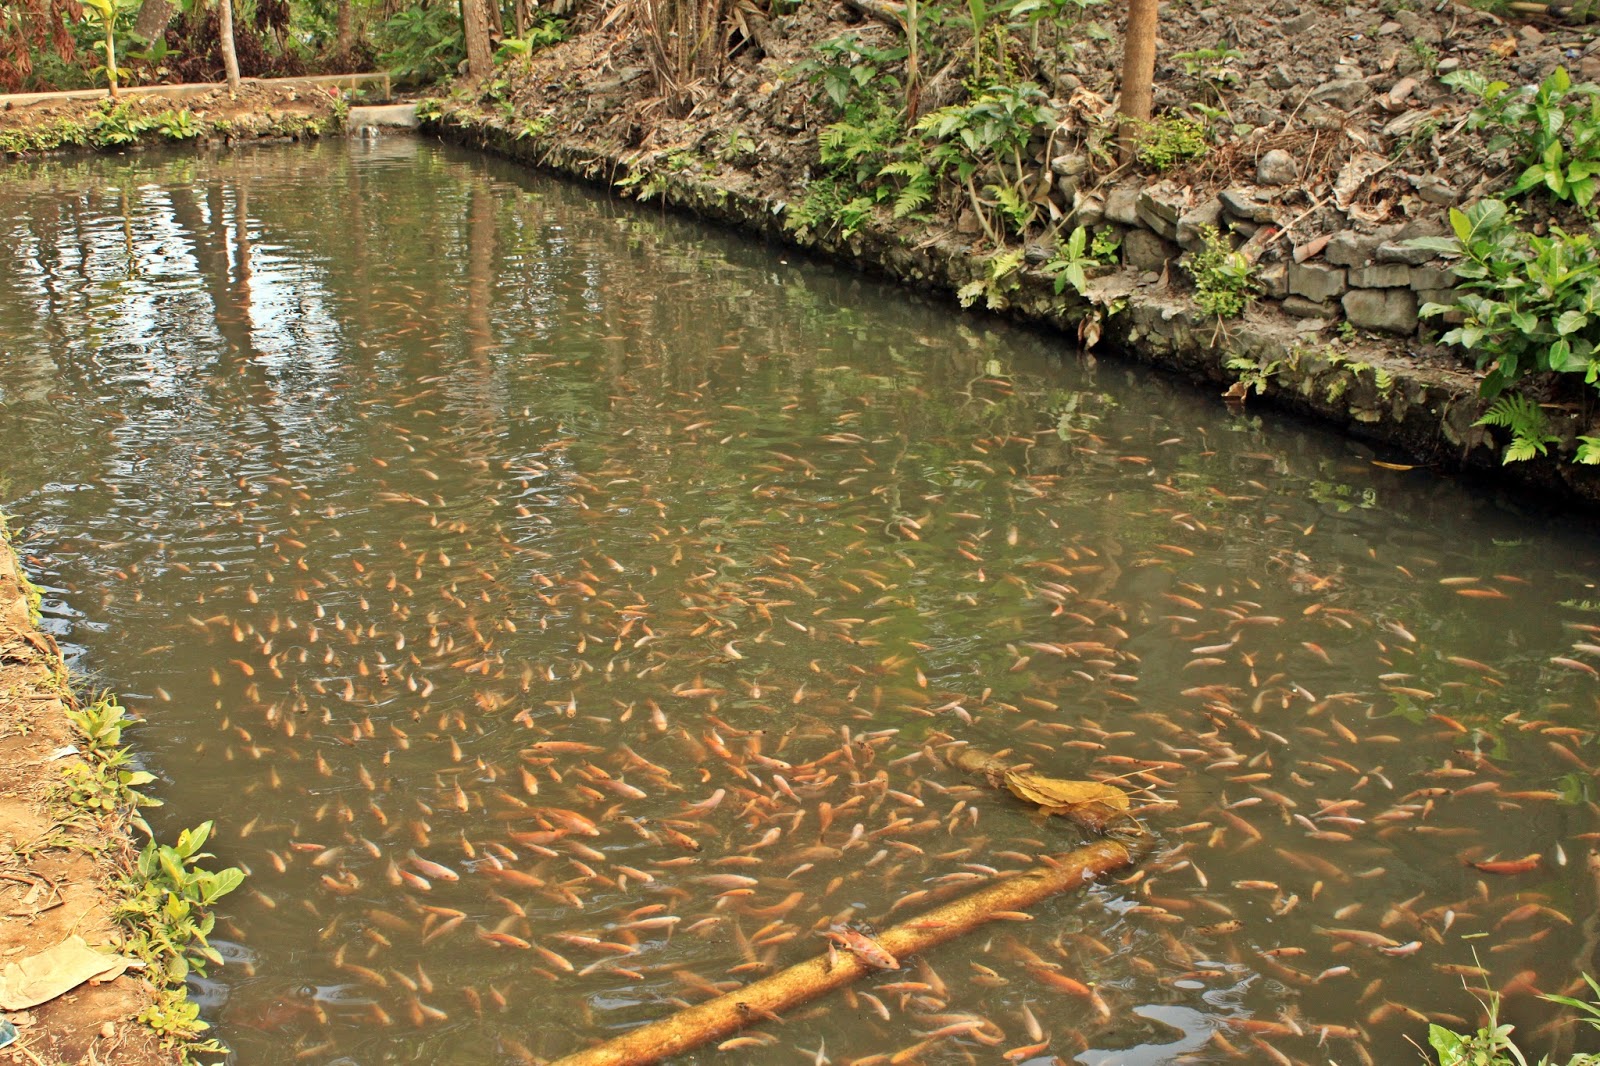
[57, 864]
[1329, 140]
[260, 111]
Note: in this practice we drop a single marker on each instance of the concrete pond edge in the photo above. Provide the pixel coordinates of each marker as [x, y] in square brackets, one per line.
[1367, 387]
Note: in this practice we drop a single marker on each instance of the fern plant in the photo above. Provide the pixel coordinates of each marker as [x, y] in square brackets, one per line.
[998, 279]
[1530, 434]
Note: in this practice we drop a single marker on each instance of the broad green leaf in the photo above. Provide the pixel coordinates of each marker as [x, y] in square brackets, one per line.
[1571, 322]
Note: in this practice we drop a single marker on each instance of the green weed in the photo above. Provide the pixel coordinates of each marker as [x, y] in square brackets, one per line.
[1224, 280]
[1170, 140]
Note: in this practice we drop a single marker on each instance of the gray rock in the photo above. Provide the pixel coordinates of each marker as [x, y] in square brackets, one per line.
[1274, 281]
[1144, 251]
[1344, 94]
[1159, 207]
[1350, 249]
[1300, 307]
[1316, 281]
[1447, 65]
[1400, 91]
[1382, 276]
[1383, 310]
[1122, 206]
[1435, 190]
[1432, 276]
[1088, 211]
[1280, 78]
[1299, 24]
[1192, 222]
[1277, 167]
[1247, 204]
[1071, 165]
[1415, 27]
[1399, 252]
[1440, 296]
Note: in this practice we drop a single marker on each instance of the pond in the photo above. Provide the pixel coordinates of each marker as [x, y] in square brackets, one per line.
[561, 608]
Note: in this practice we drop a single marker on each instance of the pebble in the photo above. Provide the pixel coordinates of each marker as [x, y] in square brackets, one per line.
[1277, 167]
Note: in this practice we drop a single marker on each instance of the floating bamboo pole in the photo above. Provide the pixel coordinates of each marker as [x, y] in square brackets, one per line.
[806, 981]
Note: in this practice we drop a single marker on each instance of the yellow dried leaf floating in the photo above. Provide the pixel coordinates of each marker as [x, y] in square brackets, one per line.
[1088, 803]
[1055, 792]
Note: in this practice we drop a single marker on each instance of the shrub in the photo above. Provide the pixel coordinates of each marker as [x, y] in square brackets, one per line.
[1553, 130]
[1224, 280]
[1530, 303]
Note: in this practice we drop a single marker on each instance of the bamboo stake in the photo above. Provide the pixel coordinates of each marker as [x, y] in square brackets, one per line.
[805, 981]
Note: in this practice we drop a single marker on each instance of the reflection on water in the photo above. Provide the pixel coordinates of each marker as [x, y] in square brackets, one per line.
[560, 608]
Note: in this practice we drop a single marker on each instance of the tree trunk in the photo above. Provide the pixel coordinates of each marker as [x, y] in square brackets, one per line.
[475, 27]
[230, 60]
[151, 25]
[346, 33]
[522, 16]
[1138, 72]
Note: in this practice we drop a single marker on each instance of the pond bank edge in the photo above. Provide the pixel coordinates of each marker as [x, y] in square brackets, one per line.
[1371, 390]
[97, 847]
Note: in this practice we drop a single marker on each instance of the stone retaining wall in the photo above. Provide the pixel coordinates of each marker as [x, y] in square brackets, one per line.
[1279, 352]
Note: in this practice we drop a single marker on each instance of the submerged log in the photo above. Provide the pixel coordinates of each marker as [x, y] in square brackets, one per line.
[805, 981]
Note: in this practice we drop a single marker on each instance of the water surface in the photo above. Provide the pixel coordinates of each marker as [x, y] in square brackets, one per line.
[440, 515]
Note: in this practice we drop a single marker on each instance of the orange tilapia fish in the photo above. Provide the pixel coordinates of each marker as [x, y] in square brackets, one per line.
[863, 947]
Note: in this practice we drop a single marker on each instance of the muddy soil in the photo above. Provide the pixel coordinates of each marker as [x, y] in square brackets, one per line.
[55, 866]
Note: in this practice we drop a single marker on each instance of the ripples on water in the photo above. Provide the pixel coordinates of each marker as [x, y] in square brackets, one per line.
[439, 515]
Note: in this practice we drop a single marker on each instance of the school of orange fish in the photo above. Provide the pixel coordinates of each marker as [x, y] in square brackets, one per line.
[530, 728]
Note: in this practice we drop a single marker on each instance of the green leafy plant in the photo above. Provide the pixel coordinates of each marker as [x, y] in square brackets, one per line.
[167, 900]
[541, 36]
[990, 132]
[828, 204]
[1426, 54]
[1491, 1044]
[103, 781]
[422, 43]
[104, 13]
[1072, 261]
[180, 125]
[1170, 140]
[1553, 130]
[1253, 374]
[1214, 66]
[846, 69]
[112, 126]
[1530, 434]
[1529, 303]
[1224, 280]
[999, 277]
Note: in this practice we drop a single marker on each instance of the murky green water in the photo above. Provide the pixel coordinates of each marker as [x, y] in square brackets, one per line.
[430, 509]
